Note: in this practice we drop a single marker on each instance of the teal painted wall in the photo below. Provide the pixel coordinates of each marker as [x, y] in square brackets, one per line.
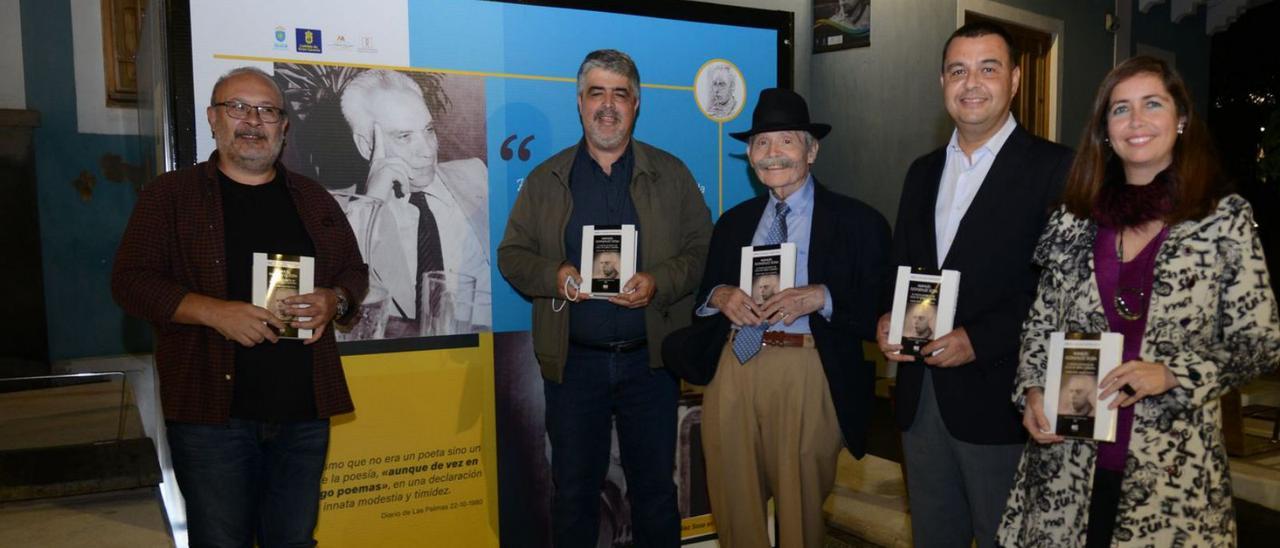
[78, 238]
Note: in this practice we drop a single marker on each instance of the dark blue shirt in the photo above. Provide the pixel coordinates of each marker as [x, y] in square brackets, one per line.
[601, 199]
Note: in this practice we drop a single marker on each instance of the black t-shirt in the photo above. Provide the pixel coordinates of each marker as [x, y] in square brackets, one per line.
[273, 381]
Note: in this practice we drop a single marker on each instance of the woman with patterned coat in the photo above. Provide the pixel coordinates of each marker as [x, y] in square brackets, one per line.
[1150, 244]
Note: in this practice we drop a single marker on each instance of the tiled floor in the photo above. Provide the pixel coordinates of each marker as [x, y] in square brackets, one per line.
[120, 519]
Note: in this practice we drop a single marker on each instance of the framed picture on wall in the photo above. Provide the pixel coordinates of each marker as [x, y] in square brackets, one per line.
[841, 24]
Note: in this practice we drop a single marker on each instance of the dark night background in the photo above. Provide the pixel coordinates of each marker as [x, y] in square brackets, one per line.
[1244, 116]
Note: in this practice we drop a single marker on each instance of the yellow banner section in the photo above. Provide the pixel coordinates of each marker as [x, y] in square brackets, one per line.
[416, 464]
[697, 526]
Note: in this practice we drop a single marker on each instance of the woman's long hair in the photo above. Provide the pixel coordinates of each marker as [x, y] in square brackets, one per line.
[1196, 175]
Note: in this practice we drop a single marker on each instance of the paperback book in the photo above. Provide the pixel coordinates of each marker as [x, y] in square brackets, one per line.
[277, 277]
[924, 307]
[767, 269]
[1077, 361]
[608, 259]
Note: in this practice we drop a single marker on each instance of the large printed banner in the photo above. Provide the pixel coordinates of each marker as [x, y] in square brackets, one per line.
[423, 118]
[496, 88]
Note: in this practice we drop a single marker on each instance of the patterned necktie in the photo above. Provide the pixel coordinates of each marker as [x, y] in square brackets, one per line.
[430, 258]
[747, 343]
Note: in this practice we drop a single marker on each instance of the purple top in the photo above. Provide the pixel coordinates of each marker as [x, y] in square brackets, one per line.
[1136, 278]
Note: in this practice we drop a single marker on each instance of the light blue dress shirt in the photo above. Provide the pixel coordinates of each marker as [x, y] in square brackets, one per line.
[799, 229]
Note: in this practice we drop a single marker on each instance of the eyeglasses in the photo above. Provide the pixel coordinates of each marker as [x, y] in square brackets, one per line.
[238, 110]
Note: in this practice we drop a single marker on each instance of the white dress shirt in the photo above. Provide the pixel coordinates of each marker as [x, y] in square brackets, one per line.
[961, 179]
[460, 247]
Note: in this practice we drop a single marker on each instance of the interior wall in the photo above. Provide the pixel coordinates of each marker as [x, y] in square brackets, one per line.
[13, 92]
[883, 101]
[83, 193]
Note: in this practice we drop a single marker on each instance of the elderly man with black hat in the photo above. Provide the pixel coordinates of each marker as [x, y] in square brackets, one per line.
[788, 383]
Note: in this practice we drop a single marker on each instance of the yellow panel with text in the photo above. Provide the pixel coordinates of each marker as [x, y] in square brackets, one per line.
[416, 464]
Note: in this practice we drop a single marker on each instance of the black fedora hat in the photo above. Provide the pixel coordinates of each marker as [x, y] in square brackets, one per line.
[781, 110]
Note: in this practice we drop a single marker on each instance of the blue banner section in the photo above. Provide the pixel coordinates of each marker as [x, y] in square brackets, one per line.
[529, 57]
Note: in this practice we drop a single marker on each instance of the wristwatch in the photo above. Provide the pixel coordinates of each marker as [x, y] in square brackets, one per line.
[343, 305]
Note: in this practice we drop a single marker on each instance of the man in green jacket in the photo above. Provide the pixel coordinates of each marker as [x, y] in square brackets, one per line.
[601, 359]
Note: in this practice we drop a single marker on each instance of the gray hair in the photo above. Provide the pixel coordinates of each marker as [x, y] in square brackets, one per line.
[238, 71]
[727, 72]
[613, 61]
[357, 97]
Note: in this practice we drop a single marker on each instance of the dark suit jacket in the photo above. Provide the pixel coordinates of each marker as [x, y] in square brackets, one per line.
[848, 250]
[992, 250]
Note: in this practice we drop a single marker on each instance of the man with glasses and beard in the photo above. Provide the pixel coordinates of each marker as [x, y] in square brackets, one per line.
[599, 358]
[246, 412]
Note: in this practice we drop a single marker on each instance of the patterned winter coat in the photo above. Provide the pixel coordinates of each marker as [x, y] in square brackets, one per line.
[1213, 322]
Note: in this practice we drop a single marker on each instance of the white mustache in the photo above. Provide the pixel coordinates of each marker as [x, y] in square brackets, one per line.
[250, 133]
[776, 161]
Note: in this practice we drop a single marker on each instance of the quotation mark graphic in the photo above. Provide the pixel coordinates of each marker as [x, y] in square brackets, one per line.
[523, 150]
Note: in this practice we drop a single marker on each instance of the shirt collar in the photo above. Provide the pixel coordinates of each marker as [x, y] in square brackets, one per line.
[992, 146]
[624, 162]
[433, 189]
[800, 201]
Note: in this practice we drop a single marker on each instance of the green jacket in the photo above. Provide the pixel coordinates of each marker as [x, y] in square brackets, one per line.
[675, 232]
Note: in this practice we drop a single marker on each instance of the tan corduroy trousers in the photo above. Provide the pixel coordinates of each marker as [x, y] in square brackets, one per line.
[769, 429]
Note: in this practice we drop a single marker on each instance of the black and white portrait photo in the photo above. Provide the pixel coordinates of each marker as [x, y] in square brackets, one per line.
[606, 265]
[763, 287]
[921, 321]
[1078, 395]
[719, 90]
[404, 155]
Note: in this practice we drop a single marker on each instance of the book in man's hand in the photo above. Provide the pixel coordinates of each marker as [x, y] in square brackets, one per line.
[1077, 362]
[924, 307]
[608, 259]
[767, 269]
[277, 277]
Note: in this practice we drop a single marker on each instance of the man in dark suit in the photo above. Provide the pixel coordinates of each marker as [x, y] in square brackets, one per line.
[976, 206]
[791, 381]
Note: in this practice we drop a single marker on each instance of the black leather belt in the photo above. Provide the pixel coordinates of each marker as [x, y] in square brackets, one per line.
[622, 347]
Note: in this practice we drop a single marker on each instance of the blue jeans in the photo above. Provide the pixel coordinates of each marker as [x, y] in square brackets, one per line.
[600, 387]
[250, 478]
